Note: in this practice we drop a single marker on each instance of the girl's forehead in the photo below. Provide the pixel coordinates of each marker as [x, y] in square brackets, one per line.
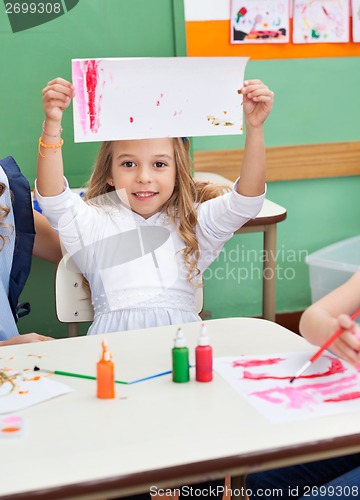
[144, 146]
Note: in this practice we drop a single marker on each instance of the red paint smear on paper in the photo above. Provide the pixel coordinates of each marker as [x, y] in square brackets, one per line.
[256, 362]
[131, 119]
[335, 367]
[12, 420]
[158, 101]
[343, 397]
[92, 80]
[297, 397]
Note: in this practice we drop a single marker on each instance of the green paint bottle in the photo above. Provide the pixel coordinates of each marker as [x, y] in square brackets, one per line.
[180, 358]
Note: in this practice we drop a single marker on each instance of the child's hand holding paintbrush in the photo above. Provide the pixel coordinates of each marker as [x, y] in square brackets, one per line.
[349, 346]
[334, 311]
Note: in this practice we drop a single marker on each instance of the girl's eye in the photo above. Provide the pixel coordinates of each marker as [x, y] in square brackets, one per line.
[128, 164]
[160, 164]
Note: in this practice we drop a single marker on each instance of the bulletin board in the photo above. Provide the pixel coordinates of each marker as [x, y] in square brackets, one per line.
[208, 27]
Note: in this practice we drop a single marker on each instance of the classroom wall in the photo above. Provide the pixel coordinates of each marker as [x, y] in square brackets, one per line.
[316, 102]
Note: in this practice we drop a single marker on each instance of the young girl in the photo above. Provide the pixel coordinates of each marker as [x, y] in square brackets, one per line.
[147, 231]
[46, 245]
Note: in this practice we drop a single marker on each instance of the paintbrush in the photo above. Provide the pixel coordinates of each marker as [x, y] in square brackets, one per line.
[326, 344]
[80, 375]
[70, 374]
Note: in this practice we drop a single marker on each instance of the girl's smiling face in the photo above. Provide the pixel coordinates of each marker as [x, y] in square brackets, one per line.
[146, 170]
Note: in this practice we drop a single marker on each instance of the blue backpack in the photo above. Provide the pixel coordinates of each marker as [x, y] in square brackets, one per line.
[25, 235]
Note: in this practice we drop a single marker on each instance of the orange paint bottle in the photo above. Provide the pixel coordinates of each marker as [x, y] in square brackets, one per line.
[105, 374]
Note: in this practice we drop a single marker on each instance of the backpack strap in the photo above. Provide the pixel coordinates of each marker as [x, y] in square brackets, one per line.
[25, 232]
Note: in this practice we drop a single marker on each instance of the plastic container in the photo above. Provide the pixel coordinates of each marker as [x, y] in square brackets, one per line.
[331, 266]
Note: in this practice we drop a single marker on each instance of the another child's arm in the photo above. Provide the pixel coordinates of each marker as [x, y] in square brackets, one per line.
[330, 313]
[25, 339]
[56, 97]
[47, 242]
[258, 100]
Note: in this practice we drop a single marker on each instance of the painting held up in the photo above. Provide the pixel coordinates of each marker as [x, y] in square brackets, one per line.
[137, 98]
[329, 387]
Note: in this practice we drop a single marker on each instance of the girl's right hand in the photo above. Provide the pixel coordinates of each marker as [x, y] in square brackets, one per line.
[56, 97]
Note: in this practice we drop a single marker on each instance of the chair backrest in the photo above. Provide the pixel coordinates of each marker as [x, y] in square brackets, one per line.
[73, 303]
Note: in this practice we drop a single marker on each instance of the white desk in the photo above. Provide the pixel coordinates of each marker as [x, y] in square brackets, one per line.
[265, 222]
[163, 434]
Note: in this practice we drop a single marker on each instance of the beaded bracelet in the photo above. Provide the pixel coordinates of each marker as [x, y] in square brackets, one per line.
[49, 146]
[47, 133]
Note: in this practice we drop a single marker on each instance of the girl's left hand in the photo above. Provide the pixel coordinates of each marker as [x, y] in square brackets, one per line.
[258, 101]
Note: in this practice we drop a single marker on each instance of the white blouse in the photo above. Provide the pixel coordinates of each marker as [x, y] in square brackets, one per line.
[135, 266]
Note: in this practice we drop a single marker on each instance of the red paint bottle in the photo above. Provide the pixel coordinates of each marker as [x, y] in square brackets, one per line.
[203, 357]
[105, 374]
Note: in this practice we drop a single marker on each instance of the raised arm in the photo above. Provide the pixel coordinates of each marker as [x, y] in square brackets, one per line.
[47, 242]
[258, 100]
[331, 312]
[56, 97]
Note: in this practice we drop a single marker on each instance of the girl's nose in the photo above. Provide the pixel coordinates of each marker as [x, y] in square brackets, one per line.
[144, 175]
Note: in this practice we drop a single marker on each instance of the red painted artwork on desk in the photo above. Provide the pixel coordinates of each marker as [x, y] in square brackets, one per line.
[330, 386]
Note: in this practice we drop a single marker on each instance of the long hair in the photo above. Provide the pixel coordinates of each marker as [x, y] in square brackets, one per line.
[181, 206]
[4, 212]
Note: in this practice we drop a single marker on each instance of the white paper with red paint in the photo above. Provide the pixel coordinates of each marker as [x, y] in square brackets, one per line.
[356, 20]
[325, 21]
[27, 389]
[137, 98]
[330, 386]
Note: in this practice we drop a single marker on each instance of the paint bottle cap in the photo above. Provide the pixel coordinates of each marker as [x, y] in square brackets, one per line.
[180, 340]
[106, 354]
[203, 339]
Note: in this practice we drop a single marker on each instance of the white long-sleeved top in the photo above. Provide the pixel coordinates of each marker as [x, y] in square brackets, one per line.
[135, 266]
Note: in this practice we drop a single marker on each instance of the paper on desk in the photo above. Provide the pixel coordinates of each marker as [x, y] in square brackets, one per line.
[136, 98]
[28, 390]
[330, 386]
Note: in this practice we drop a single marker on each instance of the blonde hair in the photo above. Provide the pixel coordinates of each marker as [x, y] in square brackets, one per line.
[4, 212]
[181, 206]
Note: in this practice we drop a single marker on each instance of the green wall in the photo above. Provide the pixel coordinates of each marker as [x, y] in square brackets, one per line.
[316, 102]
